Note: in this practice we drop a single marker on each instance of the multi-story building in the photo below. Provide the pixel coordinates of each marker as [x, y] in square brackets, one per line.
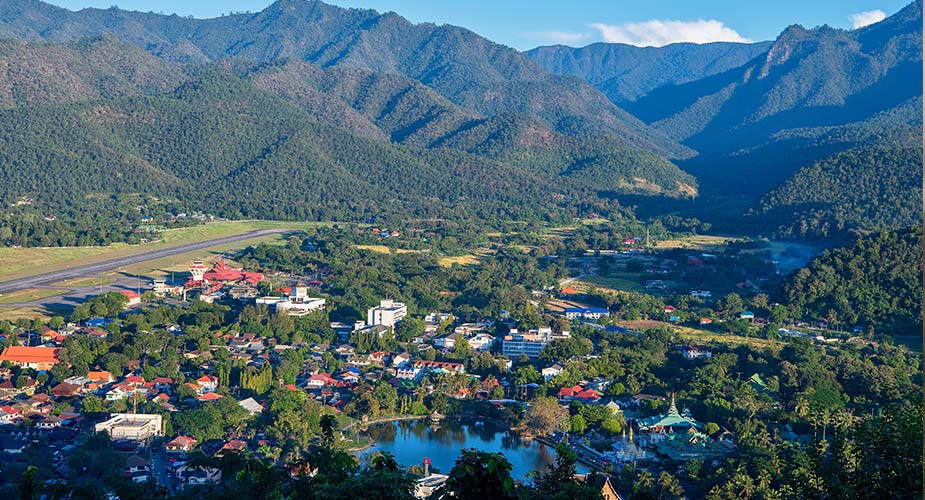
[389, 313]
[138, 427]
[529, 344]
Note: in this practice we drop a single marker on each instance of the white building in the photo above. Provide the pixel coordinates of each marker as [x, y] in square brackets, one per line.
[389, 313]
[529, 344]
[139, 427]
[552, 372]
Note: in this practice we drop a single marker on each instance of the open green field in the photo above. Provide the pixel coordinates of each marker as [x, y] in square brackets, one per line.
[88, 281]
[19, 262]
[618, 281]
[383, 249]
[464, 260]
[705, 337]
[29, 295]
[699, 242]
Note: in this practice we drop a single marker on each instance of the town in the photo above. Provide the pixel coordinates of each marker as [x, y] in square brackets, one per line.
[246, 355]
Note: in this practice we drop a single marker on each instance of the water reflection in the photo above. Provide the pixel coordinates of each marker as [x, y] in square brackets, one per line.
[411, 441]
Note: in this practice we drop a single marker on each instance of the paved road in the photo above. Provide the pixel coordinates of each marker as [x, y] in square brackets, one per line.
[109, 265]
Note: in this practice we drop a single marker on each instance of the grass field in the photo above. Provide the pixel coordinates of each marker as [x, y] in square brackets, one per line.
[20, 262]
[703, 336]
[697, 242]
[618, 281]
[463, 260]
[383, 249]
[88, 281]
[29, 295]
[27, 312]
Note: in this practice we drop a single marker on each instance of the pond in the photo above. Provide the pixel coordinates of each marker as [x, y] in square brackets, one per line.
[412, 441]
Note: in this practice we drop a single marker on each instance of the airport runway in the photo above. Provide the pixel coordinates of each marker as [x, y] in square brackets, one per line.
[48, 278]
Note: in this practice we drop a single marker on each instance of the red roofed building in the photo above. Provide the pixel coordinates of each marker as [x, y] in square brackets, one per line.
[180, 444]
[134, 298]
[37, 358]
[220, 274]
[210, 396]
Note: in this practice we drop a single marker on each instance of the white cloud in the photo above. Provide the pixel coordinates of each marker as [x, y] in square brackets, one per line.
[865, 18]
[563, 37]
[656, 33]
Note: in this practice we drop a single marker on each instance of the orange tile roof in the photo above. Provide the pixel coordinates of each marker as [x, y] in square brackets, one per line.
[99, 375]
[22, 354]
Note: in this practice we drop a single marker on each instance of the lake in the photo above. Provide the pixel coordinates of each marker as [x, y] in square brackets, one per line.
[411, 441]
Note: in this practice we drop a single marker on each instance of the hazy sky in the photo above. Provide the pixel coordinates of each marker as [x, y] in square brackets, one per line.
[524, 24]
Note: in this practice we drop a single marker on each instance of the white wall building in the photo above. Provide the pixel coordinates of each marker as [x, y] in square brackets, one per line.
[529, 344]
[389, 313]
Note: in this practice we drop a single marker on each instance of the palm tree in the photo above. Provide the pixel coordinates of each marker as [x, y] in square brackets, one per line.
[801, 408]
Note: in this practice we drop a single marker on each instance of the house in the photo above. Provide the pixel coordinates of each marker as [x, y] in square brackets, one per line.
[180, 444]
[210, 396]
[401, 359]
[233, 446]
[138, 469]
[100, 377]
[747, 315]
[705, 321]
[578, 393]
[37, 358]
[552, 371]
[191, 475]
[207, 383]
[251, 406]
[134, 298]
[696, 352]
[65, 389]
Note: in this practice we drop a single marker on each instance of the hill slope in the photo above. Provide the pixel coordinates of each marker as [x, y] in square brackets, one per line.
[822, 78]
[626, 72]
[472, 72]
[867, 188]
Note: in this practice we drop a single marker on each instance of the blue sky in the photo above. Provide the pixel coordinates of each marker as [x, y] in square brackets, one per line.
[524, 24]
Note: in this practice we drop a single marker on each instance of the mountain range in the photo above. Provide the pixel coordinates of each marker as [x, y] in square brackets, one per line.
[306, 110]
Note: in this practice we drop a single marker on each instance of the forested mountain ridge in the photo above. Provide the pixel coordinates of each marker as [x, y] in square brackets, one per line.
[872, 187]
[750, 119]
[874, 283]
[627, 72]
[479, 75]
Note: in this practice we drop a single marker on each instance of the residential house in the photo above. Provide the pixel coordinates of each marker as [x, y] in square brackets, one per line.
[180, 444]
[578, 393]
[552, 371]
[251, 406]
[138, 469]
[37, 358]
[696, 352]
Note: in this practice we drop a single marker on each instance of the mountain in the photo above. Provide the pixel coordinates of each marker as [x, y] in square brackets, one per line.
[876, 283]
[625, 72]
[747, 121]
[94, 68]
[96, 119]
[481, 76]
[871, 187]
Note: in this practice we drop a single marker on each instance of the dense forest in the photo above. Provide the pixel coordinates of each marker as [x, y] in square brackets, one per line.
[279, 141]
[867, 188]
[875, 283]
